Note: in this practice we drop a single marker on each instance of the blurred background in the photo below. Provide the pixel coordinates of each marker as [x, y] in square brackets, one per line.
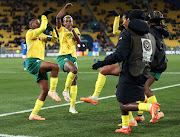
[90, 16]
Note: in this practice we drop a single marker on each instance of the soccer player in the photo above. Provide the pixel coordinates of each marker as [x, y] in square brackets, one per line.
[113, 69]
[35, 64]
[159, 64]
[24, 51]
[67, 58]
[135, 67]
[96, 50]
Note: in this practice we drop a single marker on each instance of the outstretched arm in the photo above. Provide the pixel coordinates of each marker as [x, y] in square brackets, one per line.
[76, 36]
[60, 15]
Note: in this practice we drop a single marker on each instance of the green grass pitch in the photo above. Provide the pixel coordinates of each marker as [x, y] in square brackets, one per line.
[19, 91]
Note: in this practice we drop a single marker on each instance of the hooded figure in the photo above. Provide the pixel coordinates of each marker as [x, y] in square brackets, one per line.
[135, 48]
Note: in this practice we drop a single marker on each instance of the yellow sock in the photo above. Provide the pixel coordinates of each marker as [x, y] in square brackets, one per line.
[130, 115]
[37, 107]
[73, 95]
[139, 112]
[152, 99]
[144, 106]
[125, 120]
[145, 97]
[99, 85]
[69, 80]
[53, 83]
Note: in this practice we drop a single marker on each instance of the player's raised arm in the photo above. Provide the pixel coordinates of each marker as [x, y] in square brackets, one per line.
[60, 15]
[76, 35]
[52, 38]
[38, 28]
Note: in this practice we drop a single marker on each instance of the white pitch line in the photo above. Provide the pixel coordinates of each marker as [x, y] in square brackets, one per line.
[6, 135]
[78, 72]
[66, 104]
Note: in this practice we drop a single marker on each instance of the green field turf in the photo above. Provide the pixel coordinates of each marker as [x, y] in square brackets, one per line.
[19, 91]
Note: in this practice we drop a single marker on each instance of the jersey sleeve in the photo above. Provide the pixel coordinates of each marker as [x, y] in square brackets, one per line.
[60, 29]
[122, 51]
[77, 31]
[54, 36]
[43, 37]
[116, 25]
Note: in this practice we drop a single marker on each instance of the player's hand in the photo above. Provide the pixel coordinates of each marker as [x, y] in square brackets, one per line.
[113, 12]
[98, 65]
[47, 12]
[68, 5]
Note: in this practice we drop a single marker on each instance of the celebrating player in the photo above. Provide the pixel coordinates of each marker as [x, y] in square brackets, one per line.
[67, 58]
[159, 64]
[36, 65]
[113, 69]
[135, 68]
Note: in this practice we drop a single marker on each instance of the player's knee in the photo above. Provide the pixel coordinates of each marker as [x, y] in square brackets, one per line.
[74, 70]
[44, 92]
[103, 71]
[122, 107]
[56, 67]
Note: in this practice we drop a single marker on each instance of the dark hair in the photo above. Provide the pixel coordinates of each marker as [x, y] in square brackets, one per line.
[126, 14]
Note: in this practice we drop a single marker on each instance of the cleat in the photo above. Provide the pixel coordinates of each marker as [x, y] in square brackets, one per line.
[72, 110]
[35, 117]
[124, 130]
[160, 115]
[132, 124]
[54, 96]
[139, 118]
[154, 112]
[66, 96]
[89, 100]
[25, 69]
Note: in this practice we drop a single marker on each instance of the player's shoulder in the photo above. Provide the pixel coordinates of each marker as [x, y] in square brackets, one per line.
[76, 30]
[125, 34]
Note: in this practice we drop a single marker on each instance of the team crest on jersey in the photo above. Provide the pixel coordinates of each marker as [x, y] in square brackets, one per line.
[147, 45]
[65, 59]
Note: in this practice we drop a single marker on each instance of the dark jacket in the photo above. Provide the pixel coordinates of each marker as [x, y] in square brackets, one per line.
[124, 46]
[159, 63]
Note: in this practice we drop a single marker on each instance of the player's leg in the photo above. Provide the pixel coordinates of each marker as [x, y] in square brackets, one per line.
[94, 59]
[72, 72]
[73, 95]
[54, 68]
[94, 55]
[151, 98]
[106, 70]
[43, 84]
[125, 108]
[24, 61]
[98, 58]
